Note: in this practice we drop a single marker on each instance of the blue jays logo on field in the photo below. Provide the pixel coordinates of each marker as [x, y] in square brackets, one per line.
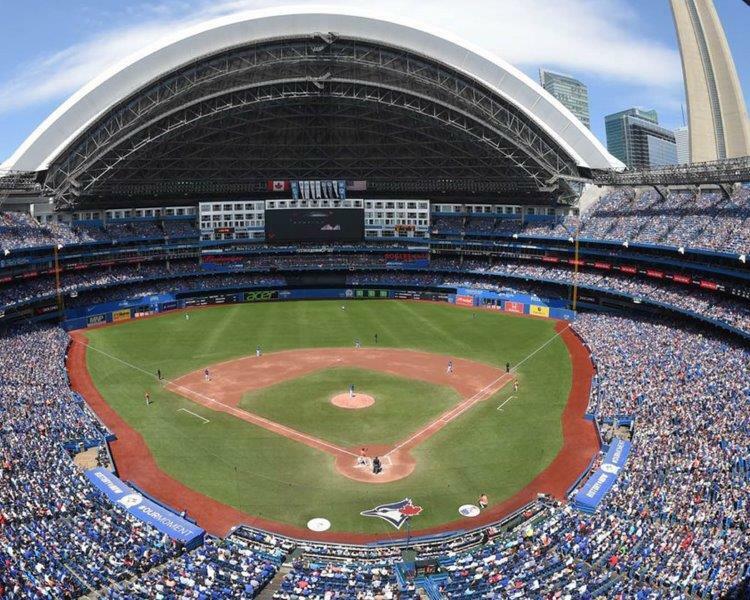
[396, 513]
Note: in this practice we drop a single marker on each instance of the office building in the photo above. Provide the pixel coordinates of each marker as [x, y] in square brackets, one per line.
[682, 139]
[636, 138]
[571, 93]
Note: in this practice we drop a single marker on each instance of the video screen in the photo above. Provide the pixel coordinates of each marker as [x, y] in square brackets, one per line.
[315, 225]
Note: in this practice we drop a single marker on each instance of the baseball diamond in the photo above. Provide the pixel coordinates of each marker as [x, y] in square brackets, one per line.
[307, 448]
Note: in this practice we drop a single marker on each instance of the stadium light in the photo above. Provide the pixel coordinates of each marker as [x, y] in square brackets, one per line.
[743, 258]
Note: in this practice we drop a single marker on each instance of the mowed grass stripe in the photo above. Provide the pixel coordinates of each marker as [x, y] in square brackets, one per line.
[270, 476]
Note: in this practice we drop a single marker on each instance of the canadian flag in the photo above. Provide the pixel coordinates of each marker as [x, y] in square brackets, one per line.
[278, 186]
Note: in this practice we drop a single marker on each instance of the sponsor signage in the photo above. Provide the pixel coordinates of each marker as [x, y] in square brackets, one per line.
[550, 259]
[121, 315]
[95, 320]
[513, 307]
[462, 300]
[655, 274]
[681, 278]
[602, 480]
[631, 270]
[709, 285]
[142, 508]
[538, 311]
[261, 295]
[602, 265]
[370, 293]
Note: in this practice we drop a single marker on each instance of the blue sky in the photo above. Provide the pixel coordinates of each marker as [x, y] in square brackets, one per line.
[625, 50]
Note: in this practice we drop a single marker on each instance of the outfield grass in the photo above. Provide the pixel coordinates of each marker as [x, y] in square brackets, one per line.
[484, 450]
[402, 406]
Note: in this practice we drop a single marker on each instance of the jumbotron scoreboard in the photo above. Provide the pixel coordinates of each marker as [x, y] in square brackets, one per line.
[315, 225]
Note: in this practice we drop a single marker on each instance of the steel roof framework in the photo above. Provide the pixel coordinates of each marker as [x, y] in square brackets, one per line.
[319, 107]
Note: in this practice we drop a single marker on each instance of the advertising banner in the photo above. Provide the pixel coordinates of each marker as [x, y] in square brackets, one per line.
[121, 315]
[462, 300]
[538, 311]
[144, 509]
[261, 295]
[370, 293]
[95, 320]
[513, 307]
[602, 480]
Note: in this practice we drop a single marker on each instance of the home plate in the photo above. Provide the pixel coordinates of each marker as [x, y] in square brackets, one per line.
[318, 524]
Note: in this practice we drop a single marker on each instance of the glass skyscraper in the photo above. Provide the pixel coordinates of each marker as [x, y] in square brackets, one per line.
[571, 93]
[636, 138]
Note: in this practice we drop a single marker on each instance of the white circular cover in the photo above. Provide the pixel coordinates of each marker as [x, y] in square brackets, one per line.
[468, 510]
[318, 524]
[186, 46]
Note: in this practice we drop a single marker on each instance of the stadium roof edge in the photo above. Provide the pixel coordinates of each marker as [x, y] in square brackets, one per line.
[90, 102]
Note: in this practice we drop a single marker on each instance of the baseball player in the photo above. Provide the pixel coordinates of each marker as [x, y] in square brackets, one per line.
[357, 344]
[351, 390]
[450, 367]
[206, 375]
[147, 396]
[515, 385]
[258, 351]
[187, 317]
[158, 374]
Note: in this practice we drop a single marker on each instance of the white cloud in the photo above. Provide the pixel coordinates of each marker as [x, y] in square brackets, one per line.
[594, 37]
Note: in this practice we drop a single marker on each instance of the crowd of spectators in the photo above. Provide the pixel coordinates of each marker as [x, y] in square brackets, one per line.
[59, 537]
[21, 230]
[686, 219]
[229, 568]
[705, 219]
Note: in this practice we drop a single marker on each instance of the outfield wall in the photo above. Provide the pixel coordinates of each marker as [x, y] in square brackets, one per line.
[125, 310]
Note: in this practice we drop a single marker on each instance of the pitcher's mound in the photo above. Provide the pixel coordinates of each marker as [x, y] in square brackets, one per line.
[358, 401]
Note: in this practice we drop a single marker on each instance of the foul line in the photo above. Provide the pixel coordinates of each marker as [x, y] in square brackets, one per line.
[454, 412]
[192, 413]
[504, 403]
[267, 424]
[544, 345]
[482, 394]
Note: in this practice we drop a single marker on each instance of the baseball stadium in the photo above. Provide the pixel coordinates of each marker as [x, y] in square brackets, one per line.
[327, 304]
